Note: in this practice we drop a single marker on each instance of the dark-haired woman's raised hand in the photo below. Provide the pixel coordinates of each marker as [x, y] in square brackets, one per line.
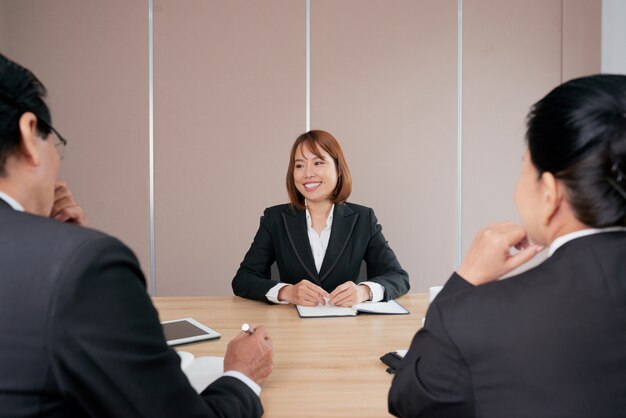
[490, 257]
[303, 293]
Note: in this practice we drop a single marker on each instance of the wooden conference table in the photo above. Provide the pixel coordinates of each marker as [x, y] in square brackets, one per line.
[323, 367]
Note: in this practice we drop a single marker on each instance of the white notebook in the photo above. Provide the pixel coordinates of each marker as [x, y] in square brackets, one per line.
[201, 371]
[386, 308]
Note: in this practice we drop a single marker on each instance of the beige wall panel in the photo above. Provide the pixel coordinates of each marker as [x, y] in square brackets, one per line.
[582, 37]
[92, 57]
[511, 58]
[229, 101]
[383, 81]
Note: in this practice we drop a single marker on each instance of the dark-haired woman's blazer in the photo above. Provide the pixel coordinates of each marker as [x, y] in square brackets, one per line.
[282, 237]
[550, 342]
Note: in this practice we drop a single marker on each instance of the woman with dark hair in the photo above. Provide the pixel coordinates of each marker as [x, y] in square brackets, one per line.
[319, 241]
[552, 340]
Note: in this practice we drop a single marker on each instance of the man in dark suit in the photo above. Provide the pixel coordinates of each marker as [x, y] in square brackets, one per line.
[79, 335]
[550, 342]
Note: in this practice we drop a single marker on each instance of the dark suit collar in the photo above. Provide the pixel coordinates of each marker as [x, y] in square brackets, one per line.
[296, 228]
[344, 220]
[342, 210]
[291, 210]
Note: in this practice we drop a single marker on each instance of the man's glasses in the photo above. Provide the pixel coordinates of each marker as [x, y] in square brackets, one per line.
[60, 142]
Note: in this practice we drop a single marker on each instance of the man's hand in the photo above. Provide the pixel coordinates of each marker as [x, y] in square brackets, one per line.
[65, 208]
[250, 354]
[303, 293]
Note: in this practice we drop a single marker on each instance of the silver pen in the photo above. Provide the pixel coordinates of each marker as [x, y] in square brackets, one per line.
[247, 329]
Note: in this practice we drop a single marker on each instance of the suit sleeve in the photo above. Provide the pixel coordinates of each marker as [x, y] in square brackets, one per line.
[382, 265]
[454, 285]
[433, 379]
[253, 278]
[107, 350]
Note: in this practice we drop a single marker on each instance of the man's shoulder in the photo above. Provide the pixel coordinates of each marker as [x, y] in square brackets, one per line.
[45, 256]
[32, 230]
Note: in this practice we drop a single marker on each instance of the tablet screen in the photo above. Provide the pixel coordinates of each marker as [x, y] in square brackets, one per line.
[181, 329]
[187, 330]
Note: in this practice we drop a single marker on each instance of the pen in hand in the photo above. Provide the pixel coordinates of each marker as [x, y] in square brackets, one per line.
[247, 329]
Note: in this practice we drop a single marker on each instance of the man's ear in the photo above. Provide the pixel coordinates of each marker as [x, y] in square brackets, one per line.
[29, 147]
[551, 196]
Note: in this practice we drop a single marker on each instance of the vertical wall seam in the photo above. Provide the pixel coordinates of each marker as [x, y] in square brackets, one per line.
[459, 135]
[602, 40]
[152, 287]
[562, 36]
[308, 65]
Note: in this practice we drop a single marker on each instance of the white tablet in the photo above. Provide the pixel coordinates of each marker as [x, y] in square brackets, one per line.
[187, 330]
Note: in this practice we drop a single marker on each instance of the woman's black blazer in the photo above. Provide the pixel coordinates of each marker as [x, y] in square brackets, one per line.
[282, 237]
[549, 342]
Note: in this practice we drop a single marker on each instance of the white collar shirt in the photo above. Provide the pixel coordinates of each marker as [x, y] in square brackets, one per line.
[12, 202]
[558, 242]
[319, 242]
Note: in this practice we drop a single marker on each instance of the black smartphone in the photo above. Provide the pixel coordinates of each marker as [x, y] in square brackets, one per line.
[391, 359]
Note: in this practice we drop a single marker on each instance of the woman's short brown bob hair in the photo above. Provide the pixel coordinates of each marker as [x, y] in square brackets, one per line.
[314, 140]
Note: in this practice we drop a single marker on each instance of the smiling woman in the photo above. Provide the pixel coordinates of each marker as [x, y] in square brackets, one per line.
[317, 175]
[318, 240]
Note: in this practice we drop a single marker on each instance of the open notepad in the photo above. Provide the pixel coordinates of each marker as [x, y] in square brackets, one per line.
[201, 371]
[389, 308]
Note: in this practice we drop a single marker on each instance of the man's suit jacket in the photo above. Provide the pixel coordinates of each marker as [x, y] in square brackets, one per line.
[550, 342]
[79, 335]
[355, 236]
